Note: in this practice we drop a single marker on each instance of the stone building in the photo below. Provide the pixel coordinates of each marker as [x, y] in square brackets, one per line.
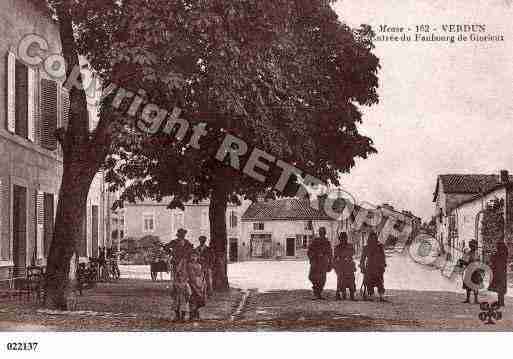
[283, 228]
[154, 218]
[459, 203]
[32, 106]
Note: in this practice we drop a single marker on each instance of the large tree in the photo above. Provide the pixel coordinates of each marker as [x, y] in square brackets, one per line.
[284, 76]
[94, 29]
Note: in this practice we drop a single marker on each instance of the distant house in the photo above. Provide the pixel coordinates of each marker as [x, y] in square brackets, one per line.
[460, 199]
[154, 218]
[284, 228]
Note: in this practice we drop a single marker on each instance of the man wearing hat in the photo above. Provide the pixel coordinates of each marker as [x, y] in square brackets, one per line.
[320, 256]
[476, 276]
[181, 248]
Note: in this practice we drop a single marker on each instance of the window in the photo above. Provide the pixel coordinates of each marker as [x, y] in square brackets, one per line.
[309, 225]
[48, 114]
[259, 226]
[148, 222]
[21, 99]
[233, 219]
[204, 219]
[178, 220]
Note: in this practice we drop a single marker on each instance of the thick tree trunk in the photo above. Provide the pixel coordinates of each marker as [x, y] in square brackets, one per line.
[69, 222]
[218, 237]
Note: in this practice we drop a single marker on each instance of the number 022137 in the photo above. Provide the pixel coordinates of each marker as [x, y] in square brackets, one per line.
[21, 346]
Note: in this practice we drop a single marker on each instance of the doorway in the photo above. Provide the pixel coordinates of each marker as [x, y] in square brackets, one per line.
[290, 250]
[233, 250]
[19, 227]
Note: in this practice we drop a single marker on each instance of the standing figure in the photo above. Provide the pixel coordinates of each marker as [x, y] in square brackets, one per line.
[181, 291]
[476, 276]
[499, 265]
[180, 248]
[320, 256]
[206, 259]
[344, 267]
[198, 286]
[372, 265]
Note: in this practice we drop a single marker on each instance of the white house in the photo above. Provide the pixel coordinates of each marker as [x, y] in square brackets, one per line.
[459, 201]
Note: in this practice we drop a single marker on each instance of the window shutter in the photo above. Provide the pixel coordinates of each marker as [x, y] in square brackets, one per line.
[48, 114]
[65, 107]
[21, 99]
[40, 220]
[11, 91]
[32, 108]
[48, 221]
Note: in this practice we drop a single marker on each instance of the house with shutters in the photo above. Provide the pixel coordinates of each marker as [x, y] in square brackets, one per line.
[33, 105]
[153, 218]
[459, 201]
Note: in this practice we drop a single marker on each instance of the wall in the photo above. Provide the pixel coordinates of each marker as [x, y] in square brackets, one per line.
[23, 162]
[466, 216]
[195, 220]
[280, 230]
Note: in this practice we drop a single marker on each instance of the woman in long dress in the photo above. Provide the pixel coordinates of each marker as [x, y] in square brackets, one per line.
[198, 286]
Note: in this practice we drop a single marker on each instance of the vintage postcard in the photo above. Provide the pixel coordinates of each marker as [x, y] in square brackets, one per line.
[254, 166]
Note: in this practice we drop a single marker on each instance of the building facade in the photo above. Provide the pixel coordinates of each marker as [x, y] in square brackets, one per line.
[33, 106]
[459, 203]
[154, 218]
[284, 228]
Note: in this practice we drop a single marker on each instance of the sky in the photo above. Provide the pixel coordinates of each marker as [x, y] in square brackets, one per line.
[444, 108]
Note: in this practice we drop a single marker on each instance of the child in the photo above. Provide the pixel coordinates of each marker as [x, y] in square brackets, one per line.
[181, 291]
[197, 284]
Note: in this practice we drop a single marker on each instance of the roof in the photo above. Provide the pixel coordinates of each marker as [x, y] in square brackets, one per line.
[284, 209]
[468, 183]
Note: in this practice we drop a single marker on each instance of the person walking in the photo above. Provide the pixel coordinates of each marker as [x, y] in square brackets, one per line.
[198, 286]
[476, 276]
[372, 265]
[344, 267]
[499, 266]
[320, 256]
[206, 259]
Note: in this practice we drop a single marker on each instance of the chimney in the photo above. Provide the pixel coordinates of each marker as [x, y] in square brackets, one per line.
[504, 176]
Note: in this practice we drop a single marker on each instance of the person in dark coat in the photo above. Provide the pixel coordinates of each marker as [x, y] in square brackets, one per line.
[372, 265]
[344, 267]
[320, 256]
[499, 265]
[476, 277]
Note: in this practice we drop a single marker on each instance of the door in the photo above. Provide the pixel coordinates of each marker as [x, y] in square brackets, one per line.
[291, 247]
[19, 229]
[233, 250]
[94, 230]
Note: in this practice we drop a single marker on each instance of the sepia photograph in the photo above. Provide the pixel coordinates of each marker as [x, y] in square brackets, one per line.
[254, 166]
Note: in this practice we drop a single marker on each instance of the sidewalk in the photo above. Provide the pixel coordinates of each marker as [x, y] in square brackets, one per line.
[125, 305]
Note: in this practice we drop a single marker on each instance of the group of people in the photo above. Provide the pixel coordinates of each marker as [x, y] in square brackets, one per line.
[191, 270]
[323, 260]
[373, 264]
[498, 264]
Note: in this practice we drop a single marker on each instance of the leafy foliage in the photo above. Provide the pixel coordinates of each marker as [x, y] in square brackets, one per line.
[492, 230]
[285, 76]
